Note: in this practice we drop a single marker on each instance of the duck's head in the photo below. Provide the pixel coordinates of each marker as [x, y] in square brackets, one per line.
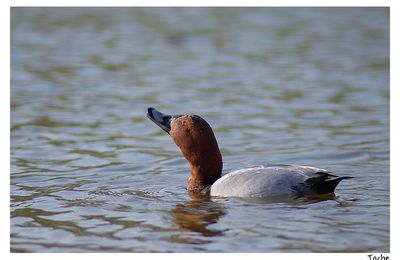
[194, 136]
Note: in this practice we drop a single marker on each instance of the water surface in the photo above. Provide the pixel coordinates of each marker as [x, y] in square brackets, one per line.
[90, 173]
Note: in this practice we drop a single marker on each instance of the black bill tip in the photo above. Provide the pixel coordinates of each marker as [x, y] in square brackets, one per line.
[160, 119]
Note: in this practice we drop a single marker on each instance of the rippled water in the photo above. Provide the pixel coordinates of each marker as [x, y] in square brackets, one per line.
[89, 171]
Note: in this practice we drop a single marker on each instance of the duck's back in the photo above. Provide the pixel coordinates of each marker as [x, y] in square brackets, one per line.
[275, 180]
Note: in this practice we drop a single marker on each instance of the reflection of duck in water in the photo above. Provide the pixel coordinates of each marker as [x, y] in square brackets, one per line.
[194, 136]
[196, 215]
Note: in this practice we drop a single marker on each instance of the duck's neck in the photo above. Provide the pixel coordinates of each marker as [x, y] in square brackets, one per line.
[205, 173]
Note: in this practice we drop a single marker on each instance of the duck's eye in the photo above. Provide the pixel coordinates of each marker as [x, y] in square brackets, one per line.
[184, 123]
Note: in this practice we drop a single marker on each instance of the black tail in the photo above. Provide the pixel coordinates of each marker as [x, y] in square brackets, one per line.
[326, 183]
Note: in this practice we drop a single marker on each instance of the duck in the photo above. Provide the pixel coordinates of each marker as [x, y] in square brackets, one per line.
[197, 142]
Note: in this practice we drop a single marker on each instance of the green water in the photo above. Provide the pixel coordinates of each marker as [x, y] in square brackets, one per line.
[90, 173]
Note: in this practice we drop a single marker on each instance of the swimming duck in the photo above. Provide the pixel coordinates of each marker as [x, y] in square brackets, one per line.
[194, 136]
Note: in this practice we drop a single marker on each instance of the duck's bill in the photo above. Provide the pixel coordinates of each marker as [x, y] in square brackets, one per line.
[160, 119]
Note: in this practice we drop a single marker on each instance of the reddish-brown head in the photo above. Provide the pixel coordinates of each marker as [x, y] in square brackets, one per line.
[194, 136]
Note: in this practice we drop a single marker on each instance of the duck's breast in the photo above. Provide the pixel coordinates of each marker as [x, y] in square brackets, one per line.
[262, 181]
